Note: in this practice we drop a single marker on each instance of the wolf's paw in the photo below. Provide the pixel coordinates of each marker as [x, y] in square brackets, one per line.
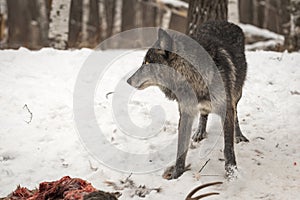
[198, 136]
[231, 172]
[241, 138]
[173, 173]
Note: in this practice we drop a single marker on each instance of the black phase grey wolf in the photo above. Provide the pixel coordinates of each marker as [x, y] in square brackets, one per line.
[224, 42]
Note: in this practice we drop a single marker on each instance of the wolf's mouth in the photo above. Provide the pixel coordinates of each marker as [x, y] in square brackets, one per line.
[144, 85]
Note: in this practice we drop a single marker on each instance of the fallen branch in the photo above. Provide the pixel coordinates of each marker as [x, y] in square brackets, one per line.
[109, 93]
[31, 115]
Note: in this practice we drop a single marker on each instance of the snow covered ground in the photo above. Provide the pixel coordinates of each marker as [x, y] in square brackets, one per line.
[49, 147]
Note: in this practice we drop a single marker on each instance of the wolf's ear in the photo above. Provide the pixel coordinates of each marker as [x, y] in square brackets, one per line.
[164, 39]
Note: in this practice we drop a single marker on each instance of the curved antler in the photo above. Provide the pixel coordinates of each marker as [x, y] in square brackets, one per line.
[189, 196]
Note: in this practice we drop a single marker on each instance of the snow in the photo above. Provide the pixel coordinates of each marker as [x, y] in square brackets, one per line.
[254, 30]
[175, 3]
[273, 39]
[49, 147]
[262, 44]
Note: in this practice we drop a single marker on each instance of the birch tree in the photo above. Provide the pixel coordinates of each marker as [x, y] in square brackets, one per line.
[166, 19]
[292, 40]
[233, 11]
[59, 23]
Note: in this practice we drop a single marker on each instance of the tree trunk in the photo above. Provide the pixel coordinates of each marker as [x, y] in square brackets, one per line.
[267, 9]
[110, 15]
[75, 24]
[94, 23]
[117, 24]
[138, 14]
[246, 11]
[19, 33]
[204, 10]
[166, 18]
[255, 10]
[43, 21]
[90, 24]
[85, 21]
[128, 22]
[292, 40]
[149, 14]
[103, 21]
[283, 17]
[59, 25]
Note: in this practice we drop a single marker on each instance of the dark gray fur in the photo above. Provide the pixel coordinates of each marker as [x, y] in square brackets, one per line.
[224, 42]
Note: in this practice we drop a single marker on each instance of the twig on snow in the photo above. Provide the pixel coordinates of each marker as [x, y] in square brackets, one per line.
[106, 96]
[128, 183]
[92, 168]
[31, 115]
[203, 166]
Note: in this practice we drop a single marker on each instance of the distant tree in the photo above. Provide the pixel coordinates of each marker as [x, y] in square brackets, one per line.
[144, 14]
[166, 18]
[117, 25]
[85, 20]
[3, 27]
[75, 23]
[292, 40]
[109, 6]
[90, 29]
[94, 23]
[203, 10]
[59, 23]
[103, 19]
[42, 20]
[129, 17]
[19, 23]
[27, 23]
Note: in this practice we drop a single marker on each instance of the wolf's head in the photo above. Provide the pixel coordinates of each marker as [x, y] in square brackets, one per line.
[149, 75]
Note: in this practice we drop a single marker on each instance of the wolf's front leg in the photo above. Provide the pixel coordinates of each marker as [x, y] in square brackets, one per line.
[184, 131]
[228, 127]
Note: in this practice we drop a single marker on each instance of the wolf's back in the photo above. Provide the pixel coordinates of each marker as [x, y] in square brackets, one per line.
[224, 41]
[228, 34]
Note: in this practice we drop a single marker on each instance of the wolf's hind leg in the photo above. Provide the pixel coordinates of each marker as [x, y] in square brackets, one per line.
[201, 133]
[239, 137]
